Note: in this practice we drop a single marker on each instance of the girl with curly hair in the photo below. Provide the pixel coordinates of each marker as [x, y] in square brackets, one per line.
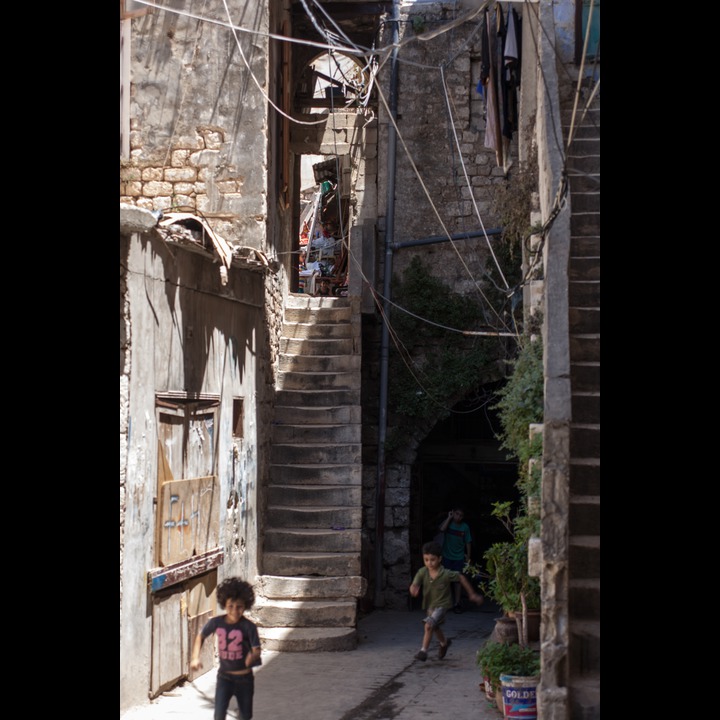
[238, 645]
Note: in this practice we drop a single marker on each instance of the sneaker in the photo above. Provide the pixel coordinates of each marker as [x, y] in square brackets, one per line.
[443, 649]
[422, 655]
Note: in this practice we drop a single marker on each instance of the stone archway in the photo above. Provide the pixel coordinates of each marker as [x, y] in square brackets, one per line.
[456, 462]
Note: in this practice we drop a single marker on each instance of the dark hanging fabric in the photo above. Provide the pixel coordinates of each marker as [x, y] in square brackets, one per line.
[510, 74]
[499, 42]
[484, 51]
[516, 23]
[500, 30]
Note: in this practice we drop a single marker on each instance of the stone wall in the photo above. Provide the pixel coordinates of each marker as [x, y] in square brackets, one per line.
[199, 119]
[444, 176]
[197, 178]
[445, 182]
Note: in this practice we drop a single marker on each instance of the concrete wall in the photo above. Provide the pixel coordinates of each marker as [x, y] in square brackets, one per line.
[182, 331]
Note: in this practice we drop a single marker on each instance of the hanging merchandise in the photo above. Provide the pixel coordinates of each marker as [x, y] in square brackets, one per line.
[327, 231]
[314, 222]
[330, 213]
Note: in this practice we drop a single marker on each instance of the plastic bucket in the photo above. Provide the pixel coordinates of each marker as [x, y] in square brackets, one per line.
[519, 694]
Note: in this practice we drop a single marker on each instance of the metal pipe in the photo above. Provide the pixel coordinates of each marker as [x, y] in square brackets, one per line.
[444, 238]
[385, 343]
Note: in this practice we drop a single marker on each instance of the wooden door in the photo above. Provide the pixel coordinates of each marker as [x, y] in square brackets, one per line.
[187, 521]
[178, 616]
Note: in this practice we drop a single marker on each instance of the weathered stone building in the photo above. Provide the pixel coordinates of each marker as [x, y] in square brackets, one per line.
[237, 388]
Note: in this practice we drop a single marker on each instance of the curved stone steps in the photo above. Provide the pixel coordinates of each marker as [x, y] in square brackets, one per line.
[311, 580]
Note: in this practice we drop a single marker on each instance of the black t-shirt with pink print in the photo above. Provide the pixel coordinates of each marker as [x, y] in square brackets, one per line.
[234, 641]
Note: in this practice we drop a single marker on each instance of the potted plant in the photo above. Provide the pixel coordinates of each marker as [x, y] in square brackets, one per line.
[491, 658]
[510, 665]
[520, 410]
[508, 580]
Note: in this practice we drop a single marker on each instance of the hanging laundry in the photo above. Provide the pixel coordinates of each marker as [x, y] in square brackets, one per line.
[510, 82]
[488, 78]
[511, 74]
[511, 50]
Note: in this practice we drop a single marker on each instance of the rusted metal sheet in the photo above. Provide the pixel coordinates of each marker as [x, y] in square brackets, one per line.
[194, 222]
[161, 578]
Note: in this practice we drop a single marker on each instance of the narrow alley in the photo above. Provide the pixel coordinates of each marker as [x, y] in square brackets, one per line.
[379, 680]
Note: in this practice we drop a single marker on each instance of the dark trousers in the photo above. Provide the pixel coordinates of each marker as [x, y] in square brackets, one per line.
[242, 687]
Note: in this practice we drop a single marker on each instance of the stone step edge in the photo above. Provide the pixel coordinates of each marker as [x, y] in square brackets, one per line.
[310, 445]
[311, 555]
[316, 466]
[312, 508]
[291, 639]
[312, 486]
[303, 603]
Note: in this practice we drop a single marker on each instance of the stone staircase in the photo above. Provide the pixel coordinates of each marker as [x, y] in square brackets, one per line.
[308, 592]
[584, 328]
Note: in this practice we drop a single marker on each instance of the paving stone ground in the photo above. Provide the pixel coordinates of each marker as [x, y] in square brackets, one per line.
[379, 680]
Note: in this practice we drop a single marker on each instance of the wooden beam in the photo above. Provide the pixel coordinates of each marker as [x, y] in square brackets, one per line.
[163, 577]
[337, 104]
[126, 14]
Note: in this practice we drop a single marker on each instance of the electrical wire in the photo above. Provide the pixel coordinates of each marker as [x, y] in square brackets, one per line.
[350, 42]
[467, 179]
[185, 86]
[571, 131]
[372, 55]
[561, 192]
[239, 28]
[406, 356]
[466, 333]
[360, 50]
[256, 81]
[410, 363]
[351, 255]
[424, 187]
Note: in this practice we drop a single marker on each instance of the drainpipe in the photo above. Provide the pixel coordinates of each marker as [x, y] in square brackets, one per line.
[385, 343]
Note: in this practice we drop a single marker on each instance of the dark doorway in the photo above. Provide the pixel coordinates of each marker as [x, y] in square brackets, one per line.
[460, 463]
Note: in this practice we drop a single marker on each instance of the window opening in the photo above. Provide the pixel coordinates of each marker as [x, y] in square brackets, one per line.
[238, 417]
[335, 82]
